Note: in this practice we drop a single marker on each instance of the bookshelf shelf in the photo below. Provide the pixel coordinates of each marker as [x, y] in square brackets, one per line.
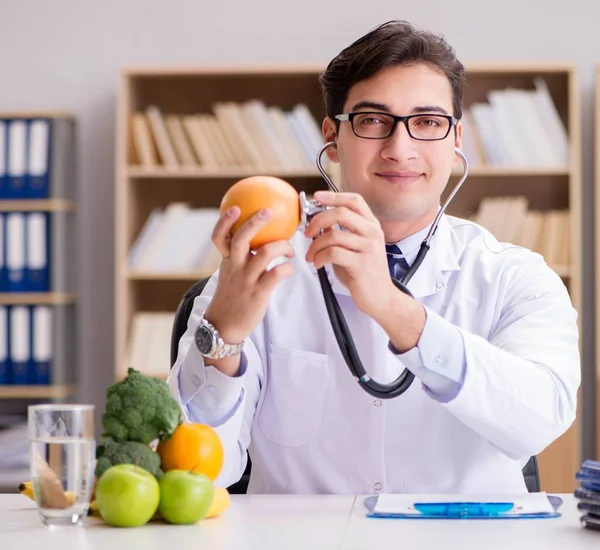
[50, 205]
[164, 157]
[38, 298]
[135, 172]
[196, 173]
[512, 171]
[37, 392]
[149, 276]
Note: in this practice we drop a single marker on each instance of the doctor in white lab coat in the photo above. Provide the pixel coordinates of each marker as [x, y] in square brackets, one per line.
[490, 334]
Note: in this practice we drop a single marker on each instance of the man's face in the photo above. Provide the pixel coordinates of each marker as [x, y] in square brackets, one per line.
[400, 178]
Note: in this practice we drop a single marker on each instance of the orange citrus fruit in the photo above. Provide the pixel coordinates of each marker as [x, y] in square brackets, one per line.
[194, 447]
[257, 192]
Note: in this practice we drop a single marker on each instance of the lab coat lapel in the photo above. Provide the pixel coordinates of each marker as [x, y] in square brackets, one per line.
[434, 272]
[439, 263]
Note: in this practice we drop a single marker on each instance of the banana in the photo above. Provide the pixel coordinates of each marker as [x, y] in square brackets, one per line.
[93, 509]
[221, 502]
[26, 488]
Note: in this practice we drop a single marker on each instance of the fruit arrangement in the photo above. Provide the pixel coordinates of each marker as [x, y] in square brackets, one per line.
[150, 465]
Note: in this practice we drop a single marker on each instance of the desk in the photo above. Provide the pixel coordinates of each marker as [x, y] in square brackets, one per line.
[285, 522]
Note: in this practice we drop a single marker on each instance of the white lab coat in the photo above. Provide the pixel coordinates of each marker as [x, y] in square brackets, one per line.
[311, 429]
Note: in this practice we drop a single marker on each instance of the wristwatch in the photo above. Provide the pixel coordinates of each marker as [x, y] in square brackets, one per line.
[211, 345]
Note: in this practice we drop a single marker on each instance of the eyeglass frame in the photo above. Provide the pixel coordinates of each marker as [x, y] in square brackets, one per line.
[349, 117]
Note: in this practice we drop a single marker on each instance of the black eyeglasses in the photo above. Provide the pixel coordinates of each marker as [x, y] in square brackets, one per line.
[422, 126]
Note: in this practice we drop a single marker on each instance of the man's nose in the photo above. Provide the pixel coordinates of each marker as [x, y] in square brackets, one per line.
[400, 145]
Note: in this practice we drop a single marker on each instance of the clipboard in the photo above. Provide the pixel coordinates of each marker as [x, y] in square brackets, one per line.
[464, 508]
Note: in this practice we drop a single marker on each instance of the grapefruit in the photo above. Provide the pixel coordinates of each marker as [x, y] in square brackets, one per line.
[257, 192]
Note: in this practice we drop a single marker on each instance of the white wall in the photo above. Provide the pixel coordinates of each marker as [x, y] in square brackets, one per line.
[67, 54]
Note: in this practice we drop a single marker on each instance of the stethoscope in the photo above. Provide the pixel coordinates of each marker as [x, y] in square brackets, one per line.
[310, 208]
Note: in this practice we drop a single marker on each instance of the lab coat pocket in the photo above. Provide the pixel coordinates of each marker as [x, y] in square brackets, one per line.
[292, 409]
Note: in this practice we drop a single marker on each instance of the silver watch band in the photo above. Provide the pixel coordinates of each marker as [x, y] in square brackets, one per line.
[211, 345]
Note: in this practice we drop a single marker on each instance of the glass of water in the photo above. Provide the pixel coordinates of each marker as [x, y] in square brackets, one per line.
[62, 451]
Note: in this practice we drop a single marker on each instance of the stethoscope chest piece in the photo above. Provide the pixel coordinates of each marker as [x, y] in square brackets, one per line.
[309, 208]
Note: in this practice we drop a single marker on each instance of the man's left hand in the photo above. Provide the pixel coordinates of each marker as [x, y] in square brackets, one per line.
[357, 251]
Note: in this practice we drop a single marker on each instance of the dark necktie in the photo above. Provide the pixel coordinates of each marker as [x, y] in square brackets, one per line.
[397, 266]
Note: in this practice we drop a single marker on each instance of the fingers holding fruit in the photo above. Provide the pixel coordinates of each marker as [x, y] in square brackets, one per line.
[259, 215]
[264, 193]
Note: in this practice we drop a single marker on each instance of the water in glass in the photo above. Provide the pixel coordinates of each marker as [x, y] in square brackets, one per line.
[62, 454]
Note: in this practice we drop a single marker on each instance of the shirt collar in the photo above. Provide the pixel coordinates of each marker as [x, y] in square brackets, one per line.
[411, 244]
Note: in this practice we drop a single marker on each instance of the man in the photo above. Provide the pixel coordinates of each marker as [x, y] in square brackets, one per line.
[490, 334]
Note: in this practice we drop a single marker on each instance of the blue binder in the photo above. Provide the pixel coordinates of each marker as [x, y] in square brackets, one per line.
[41, 345]
[38, 255]
[16, 248]
[3, 158]
[462, 509]
[16, 164]
[19, 346]
[3, 281]
[4, 358]
[38, 164]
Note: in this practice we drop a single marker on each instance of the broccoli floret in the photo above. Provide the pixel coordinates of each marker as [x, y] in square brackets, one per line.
[140, 408]
[110, 453]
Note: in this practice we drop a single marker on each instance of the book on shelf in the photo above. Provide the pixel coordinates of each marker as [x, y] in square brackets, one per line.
[149, 343]
[546, 232]
[247, 135]
[176, 239]
[516, 127]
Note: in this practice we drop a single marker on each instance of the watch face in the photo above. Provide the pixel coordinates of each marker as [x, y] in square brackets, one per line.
[204, 339]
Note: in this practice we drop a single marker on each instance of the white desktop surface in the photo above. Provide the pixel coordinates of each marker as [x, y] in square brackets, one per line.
[308, 522]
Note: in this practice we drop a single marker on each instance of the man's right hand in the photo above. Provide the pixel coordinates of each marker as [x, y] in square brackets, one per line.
[244, 286]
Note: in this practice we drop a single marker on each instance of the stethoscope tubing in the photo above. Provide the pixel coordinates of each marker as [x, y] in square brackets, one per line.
[336, 317]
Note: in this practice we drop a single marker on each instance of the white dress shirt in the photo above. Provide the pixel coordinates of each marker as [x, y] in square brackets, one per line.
[497, 371]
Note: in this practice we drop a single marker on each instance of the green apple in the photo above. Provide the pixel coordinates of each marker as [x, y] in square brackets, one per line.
[127, 495]
[185, 497]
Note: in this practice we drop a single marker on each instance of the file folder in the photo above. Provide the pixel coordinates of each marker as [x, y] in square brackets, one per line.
[38, 159]
[15, 252]
[41, 345]
[37, 252]
[16, 187]
[445, 507]
[20, 335]
[4, 346]
[3, 159]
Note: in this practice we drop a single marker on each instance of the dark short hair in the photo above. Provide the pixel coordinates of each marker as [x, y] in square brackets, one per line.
[390, 44]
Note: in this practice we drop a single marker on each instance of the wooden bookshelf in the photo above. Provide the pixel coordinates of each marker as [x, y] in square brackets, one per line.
[191, 90]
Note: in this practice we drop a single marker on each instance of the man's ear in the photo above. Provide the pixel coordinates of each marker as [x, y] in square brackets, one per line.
[459, 133]
[330, 134]
[458, 143]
